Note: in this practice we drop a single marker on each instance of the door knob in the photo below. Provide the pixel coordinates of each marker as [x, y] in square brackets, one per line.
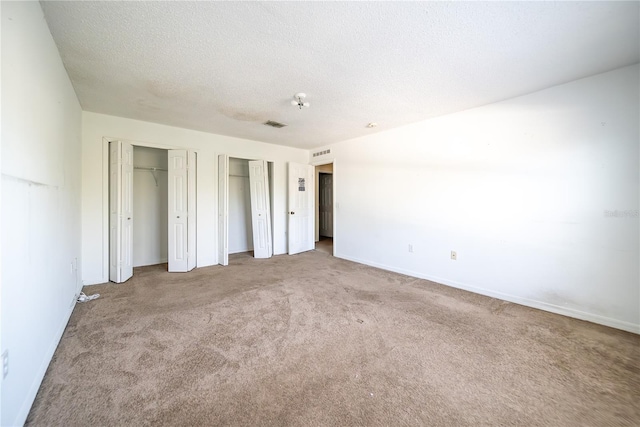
[293, 213]
[177, 217]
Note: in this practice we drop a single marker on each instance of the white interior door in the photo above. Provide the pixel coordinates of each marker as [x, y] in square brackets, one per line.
[301, 201]
[260, 214]
[120, 211]
[326, 204]
[181, 240]
[223, 209]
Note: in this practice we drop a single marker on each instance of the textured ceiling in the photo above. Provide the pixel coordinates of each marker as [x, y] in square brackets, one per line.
[227, 67]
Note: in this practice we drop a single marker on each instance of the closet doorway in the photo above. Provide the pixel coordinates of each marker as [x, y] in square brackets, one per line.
[150, 206]
[240, 228]
[152, 209]
[245, 207]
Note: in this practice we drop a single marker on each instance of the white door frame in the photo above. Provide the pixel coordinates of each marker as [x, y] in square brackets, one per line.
[335, 206]
[105, 194]
[192, 220]
[318, 197]
[223, 209]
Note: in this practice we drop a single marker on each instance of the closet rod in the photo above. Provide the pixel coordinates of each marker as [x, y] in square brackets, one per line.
[149, 169]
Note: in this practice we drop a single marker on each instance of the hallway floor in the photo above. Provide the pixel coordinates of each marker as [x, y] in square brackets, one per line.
[325, 245]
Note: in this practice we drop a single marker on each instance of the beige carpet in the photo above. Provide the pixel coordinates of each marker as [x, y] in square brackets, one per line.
[311, 340]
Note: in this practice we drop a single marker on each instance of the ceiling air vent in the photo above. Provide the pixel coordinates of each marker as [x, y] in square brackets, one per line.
[274, 124]
[321, 153]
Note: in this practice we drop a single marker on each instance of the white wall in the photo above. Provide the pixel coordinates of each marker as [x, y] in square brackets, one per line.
[98, 128]
[240, 229]
[150, 208]
[520, 189]
[41, 121]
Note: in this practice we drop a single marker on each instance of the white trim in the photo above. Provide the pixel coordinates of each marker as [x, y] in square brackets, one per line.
[161, 261]
[322, 162]
[23, 413]
[540, 305]
[94, 281]
[334, 194]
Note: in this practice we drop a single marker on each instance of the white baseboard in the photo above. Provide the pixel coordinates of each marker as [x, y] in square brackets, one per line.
[95, 281]
[35, 385]
[151, 262]
[541, 305]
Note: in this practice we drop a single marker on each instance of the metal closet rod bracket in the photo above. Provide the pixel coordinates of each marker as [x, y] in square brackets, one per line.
[152, 170]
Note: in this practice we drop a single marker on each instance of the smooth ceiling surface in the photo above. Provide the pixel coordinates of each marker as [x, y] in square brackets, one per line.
[227, 67]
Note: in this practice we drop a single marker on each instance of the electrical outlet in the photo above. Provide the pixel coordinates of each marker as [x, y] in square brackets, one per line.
[454, 255]
[5, 364]
[411, 248]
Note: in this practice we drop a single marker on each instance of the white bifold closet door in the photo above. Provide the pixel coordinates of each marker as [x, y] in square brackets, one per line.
[120, 211]
[260, 209]
[223, 209]
[301, 202]
[182, 210]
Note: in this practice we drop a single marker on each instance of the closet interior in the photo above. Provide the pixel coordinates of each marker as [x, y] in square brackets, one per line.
[240, 229]
[245, 206]
[150, 206]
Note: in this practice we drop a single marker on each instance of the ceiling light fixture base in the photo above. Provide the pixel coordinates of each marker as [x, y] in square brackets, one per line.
[298, 100]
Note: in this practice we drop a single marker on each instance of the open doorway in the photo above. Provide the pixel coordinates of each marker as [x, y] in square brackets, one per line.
[152, 209]
[240, 227]
[240, 230]
[324, 208]
[245, 207]
[150, 206]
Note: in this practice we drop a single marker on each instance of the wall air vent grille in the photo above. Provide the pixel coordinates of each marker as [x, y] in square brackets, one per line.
[321, 153]
[274, 124]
